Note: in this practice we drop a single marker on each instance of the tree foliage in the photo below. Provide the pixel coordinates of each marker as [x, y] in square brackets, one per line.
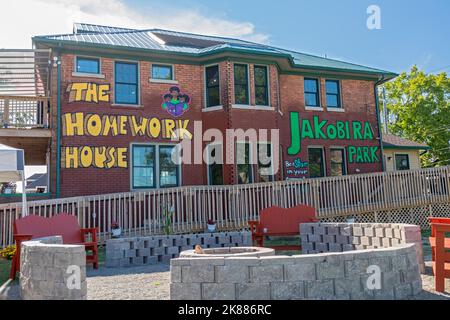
[418, 105]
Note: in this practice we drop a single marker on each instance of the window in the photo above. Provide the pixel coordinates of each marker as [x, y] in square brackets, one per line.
[401, 162]
[316, 162]
[241, 84]
[311, 92]
[333, 94]
[265, 170]
[88, 65]
[162, 72]
[338, 167]
[215, 167]
[212, 86]
[143, 171]
[168, 170]
[261, 86]
[152, 167]
[126, 83]
[244, 166]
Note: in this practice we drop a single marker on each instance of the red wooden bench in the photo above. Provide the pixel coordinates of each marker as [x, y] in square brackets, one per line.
[440, 250]
[276, 221]
[65, 225]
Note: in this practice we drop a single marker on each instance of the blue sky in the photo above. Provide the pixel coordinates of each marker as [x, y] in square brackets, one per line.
[413, 32]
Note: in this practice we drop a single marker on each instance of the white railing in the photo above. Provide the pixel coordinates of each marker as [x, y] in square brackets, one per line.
[24, 112]
[140, 213]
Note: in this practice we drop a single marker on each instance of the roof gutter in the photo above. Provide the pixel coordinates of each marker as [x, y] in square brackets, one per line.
[377, 109]
[58, 127]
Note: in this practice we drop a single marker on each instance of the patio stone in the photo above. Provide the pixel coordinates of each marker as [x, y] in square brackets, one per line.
[218, 291]
[253, 291]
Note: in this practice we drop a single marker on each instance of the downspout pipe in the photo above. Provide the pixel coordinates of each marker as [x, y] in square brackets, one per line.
[377, 109]
[58, 127]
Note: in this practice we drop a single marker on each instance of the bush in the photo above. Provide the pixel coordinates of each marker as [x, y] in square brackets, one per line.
[8, 252]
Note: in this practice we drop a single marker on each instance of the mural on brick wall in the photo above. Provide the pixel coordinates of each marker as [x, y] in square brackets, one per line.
[339, 130]
[296, 169]
[88, 92]
[95, 125]
[175, 102]
[321, 129]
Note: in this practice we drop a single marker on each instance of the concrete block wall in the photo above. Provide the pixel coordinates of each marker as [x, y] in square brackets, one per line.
[342, 275]
[45, 272]
[339, 237]
[137, 251]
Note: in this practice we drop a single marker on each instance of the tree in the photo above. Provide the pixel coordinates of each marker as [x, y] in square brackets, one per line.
[418, 105]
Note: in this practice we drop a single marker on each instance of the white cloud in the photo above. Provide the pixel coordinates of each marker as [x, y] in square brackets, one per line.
[22, 19]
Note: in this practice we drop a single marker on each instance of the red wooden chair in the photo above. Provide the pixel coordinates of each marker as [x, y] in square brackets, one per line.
[276, 221]
[440, 246]
[65, 225]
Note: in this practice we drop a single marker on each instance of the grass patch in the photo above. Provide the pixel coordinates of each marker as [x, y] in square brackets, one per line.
[5, 268]
[283, 241]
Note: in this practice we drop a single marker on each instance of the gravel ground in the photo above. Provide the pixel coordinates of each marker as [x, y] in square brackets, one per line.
[132, 283]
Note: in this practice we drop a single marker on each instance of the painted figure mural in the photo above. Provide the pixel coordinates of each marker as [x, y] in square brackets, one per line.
[175, 102]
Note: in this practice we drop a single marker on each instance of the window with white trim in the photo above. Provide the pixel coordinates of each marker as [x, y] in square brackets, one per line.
[261, 85]
[162, 72]
[265, 169]
[244, 165]
[212, 86]
[316, 162]
[87, 65]
[215, 164]
[152, 167]
[241, 95]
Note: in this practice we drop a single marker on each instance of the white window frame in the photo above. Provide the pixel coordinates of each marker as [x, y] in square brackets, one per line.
[205, 97]
[333, 109]
[157, 167]
[319, 92]
[344, 149]
[271, 159]
[239, 105]
[171, 81]
[98, 75]
[269, 105]
[138, 105]
[324, 160]
[250, 158]
[209, 146]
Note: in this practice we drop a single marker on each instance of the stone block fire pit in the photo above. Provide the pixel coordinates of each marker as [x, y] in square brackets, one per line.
[229, 252]
[369, 261]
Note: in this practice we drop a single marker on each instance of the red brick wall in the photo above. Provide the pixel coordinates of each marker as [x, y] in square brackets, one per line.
[358, 101]
[286, 95]
[94, 180]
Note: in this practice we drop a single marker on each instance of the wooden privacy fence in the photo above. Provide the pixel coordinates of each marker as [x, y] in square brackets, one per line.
[140, 213]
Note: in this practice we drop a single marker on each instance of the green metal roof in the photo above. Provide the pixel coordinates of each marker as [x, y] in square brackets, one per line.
[194, 45]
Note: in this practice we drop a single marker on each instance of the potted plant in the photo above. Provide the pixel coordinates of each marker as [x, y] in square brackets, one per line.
[116, 230]
[211, 225]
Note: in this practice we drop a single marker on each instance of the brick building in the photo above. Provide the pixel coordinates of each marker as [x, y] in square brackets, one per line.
[118, 95]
